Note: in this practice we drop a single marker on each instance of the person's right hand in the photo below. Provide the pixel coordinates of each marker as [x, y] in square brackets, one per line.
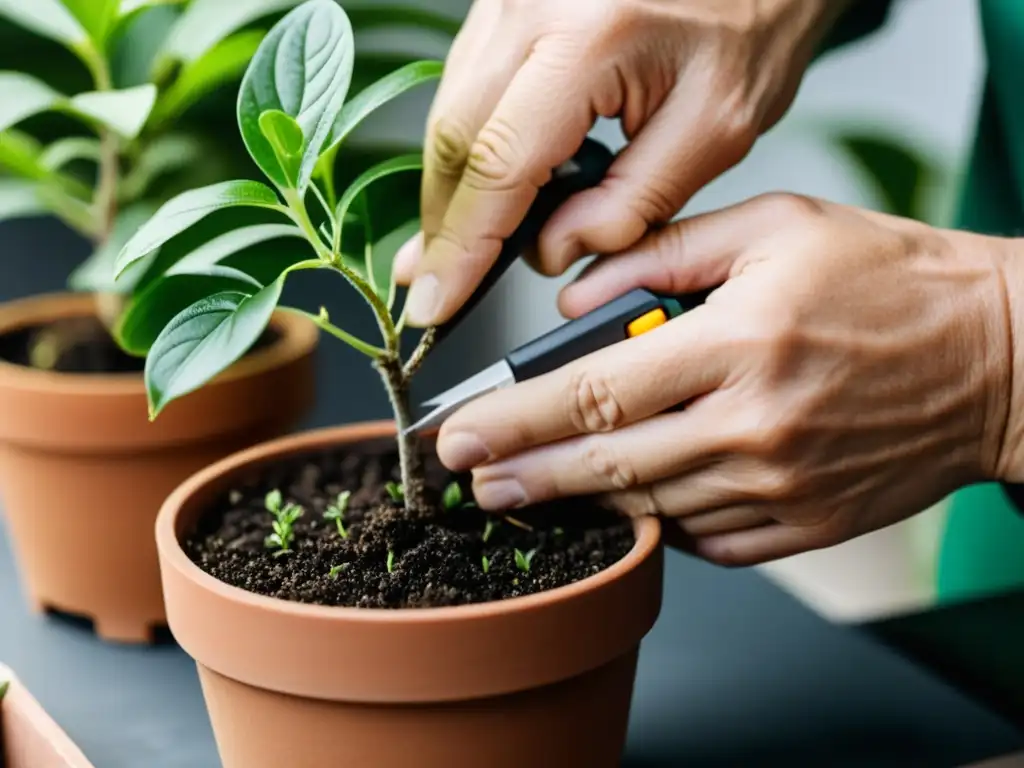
[693, 81]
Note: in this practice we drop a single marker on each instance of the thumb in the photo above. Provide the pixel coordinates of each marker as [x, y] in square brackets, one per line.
[685, 145]
[686, 256]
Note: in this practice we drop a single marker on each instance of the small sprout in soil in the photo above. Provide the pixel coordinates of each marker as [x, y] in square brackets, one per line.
[284, 521]
[336, 570]
[489, 529]
[485, 563]
[391, 561]
[395, 491]
[336, 512]
[523, 560]
[452, 497]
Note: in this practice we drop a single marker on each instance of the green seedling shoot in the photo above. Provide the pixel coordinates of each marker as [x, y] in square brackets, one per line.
[485, 562]
[391, 561]
[336, 512]
[452, 497]
[195, 316]
[285, 516]
[337, 570]
[489, 529]
[524, 560]
[395, 491]
[4, 686]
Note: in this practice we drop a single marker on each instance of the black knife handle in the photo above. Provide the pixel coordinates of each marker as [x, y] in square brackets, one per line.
[588, 167]
[595, 330]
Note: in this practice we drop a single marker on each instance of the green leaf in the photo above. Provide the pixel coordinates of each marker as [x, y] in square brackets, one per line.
[302, 68]
[452, 496]
[152, 310]
[204, 340]
[20, 199]
[223, 63]
[95, 16]
[21, 155]
[96, 273]
[23, 96]
[48, 18]
[131, 6]
[181, 212]
[381, 92]
[286, 139]
[896, 172]
[400, 164]
[273, 500]
[64, 151]
[124, 111]
[383, 253]
[230, 243]
[207, 22]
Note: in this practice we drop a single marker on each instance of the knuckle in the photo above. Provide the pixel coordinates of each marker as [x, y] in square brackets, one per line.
[592, 403]
[789, 207]
[607, 466]
[449, 146]
[777, 484]
[495, 159]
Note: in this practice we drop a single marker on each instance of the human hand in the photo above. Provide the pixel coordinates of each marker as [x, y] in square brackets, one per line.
[693, 81]
[851, 370]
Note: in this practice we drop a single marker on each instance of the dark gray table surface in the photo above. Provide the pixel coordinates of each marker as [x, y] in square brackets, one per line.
[736, 673]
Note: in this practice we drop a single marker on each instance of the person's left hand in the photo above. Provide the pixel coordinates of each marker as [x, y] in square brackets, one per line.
[852, 369]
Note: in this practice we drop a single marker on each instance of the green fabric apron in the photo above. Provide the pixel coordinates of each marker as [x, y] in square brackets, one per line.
[982, 549]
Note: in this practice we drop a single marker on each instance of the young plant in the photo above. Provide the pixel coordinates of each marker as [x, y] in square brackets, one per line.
[489, 528]
[336, 512]
[200, 316]
[337, 570]
[390, 563]
[126, 138]
[395, 491]
[285, 516]
[485, 563]
[452, 497]
[524, 560]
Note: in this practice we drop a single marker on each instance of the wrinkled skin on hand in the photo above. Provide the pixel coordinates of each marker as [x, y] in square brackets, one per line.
[694, 83]
[851, 370]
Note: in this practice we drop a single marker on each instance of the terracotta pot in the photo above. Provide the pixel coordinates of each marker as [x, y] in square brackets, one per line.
[83, 471]
[29, 738]
[541, 680]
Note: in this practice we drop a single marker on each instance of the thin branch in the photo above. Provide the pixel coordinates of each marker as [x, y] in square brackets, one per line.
[418, 354]
[323, 323]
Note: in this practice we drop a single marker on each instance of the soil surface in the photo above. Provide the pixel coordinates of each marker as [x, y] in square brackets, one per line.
[77, 346]
[434, 561]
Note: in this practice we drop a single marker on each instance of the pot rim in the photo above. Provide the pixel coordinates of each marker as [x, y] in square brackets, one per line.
[647, 533]
[296, 337]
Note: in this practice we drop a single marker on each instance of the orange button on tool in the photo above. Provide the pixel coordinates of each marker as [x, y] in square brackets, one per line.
[647, 322]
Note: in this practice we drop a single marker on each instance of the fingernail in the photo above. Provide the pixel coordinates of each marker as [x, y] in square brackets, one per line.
[407, 256]
[462, 451]
[423, 302]
[499, 494]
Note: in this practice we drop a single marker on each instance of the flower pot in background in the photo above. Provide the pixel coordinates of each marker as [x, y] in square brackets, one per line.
[83, 471]
[544, 680]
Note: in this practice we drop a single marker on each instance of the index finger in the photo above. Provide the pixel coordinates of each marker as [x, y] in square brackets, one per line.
[540, 121]
[608, 389]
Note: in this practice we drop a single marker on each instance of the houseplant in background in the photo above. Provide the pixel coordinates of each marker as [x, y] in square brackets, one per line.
[81, 469]
[431, 633]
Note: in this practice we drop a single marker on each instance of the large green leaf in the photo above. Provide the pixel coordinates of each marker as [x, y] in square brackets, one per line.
[96, 273]
[124, 111]
[302, 68]
[20, 154]
[221, 64]
[213, 252]
[181, 212]
[204, 340]
[381, 92]
[207, 22]
[149, 312]
[95, 16]
[19, 199]
[898, 173]
[129, 7]
[23, 96]
[48, 18]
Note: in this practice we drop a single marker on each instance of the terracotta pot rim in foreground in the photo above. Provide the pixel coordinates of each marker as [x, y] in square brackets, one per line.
[296, 338]
[439, 654]
[646, 530]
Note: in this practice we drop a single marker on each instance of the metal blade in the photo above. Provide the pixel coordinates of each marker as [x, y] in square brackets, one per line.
[497, 376]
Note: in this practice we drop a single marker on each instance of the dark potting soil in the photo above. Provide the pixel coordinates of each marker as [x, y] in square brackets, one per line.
[436, 561]
[81, 345]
